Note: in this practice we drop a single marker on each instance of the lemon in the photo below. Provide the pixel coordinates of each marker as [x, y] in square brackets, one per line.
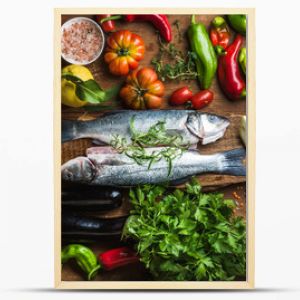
[68, 95]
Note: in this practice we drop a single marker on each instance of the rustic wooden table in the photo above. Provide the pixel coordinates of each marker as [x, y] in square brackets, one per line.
[220, 105]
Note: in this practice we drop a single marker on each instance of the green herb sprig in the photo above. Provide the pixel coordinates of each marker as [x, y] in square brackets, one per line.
[182, 66]
[187, 234]
[155, 136]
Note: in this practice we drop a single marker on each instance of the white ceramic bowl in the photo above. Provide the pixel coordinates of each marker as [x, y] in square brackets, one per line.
[76, 20]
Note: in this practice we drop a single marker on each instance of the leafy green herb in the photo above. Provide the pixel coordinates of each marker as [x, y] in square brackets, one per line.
[90, 90]
[181, 67]
[155, 136]
[187, 234]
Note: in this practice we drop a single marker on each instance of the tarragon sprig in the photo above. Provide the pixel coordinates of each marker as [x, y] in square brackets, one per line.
[155, 136]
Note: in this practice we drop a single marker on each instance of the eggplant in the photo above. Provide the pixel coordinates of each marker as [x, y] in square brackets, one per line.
[82, 198]
[81, 226]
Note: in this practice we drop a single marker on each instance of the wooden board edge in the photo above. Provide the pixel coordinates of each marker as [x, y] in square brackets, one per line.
[251, 147]
[128, 10]
[154, 285]
[57, 148]
[251, 130]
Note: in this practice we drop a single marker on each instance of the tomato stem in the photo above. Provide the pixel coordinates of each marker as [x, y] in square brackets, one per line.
[141, 92]
[123, 52]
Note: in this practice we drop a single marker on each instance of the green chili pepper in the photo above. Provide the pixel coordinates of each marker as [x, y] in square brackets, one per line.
[238, 23]
[83, 256]
[243, 59]
[206, 59]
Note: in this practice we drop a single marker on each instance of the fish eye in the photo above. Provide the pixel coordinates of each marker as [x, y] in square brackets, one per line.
[211, 118]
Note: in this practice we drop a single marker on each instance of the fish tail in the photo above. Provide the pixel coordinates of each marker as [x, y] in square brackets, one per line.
[68, 131]
[233, 162]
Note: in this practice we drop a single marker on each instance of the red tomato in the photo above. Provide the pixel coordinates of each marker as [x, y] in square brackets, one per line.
[181, 96]
[202, 99]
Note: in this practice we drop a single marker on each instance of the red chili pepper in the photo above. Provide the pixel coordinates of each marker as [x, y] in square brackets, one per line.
[106, 25]
[229, 74]
[181, 96]
[219, 33]
[118, 257]
[160, 22]
[202, 99]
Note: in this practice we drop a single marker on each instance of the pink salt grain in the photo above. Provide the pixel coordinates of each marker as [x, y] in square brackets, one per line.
[81, 42]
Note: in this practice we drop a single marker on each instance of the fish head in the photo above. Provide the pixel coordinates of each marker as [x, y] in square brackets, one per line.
[208, 127]
[79, 169]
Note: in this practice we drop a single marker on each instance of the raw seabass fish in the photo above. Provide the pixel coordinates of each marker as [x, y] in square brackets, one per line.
[105, 166]
[190, 125]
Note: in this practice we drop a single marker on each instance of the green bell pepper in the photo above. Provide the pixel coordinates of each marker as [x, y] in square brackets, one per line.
[238, 23]
[84, 257]
[206, 59]
[243, 59]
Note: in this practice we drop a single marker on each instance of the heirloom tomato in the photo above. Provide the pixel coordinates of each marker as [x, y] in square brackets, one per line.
[123, 52]
[142, 90]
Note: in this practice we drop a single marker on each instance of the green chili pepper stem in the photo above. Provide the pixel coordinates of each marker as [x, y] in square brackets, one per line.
[193, 19]
[220, 50]
[243, 93]
[93, 272]
[218, 21]
[111, 18]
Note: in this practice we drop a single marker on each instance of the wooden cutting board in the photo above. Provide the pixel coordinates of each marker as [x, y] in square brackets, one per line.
[223, 183]
[220, 105]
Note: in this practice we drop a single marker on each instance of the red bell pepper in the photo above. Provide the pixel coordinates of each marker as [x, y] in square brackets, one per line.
[219, 34]
[106, 25]
[229, 74]
[118, 257]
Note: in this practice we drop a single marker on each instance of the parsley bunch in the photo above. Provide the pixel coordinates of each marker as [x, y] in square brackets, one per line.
[187, 234]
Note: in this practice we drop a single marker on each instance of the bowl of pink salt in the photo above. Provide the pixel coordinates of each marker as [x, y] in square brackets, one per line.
[82, 41]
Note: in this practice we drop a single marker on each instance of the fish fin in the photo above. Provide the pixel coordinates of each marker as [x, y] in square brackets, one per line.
[232, 162]
[193, 147]
[179, 181]
[68, 131]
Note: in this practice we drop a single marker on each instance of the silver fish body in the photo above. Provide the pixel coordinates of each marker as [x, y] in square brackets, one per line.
[192, 126]
[105, 167]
